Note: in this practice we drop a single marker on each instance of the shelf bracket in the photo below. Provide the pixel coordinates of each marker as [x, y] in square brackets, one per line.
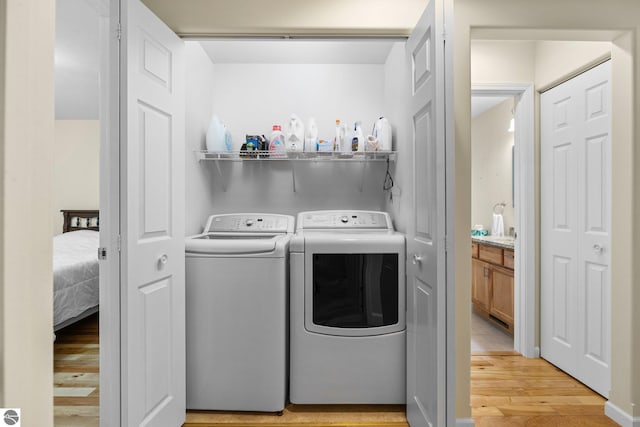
[293, 175]
[222, 180]
[364, 168]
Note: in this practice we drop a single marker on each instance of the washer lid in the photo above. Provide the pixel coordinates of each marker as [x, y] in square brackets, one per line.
[234, 243]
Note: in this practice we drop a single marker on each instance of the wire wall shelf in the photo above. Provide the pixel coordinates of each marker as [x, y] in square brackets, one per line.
[314, 156]
[296, 159]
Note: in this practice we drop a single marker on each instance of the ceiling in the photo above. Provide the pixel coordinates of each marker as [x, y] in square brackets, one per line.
[199, 18]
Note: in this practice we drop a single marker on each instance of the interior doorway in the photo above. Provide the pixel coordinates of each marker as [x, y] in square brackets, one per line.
[519, 243]
[78, 138]
[492, 223]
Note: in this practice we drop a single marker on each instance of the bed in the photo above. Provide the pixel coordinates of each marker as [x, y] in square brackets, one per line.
[75, 268]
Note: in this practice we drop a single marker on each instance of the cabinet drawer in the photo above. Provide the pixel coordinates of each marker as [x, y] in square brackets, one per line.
[508, 258]
[491, 254]
[474, 250]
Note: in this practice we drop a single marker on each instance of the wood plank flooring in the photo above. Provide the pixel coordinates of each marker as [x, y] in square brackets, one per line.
[509, 390]
[506, 391]
[76, 364]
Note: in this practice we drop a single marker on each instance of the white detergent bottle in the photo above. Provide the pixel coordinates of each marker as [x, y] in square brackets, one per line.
[338, 140]
[311, 136]
[382, 132]
[216, 135]
[357, 139]
[276, 142]
[294, 137]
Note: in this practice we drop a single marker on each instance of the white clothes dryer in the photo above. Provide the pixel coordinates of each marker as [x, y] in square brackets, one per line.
[347, 329]
[236, 313]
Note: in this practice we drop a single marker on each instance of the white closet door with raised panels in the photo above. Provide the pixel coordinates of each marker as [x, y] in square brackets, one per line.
[152, 220]
[426, 276]
[575, 227]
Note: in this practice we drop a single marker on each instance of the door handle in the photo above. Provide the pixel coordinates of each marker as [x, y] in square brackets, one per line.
[417, 259]
[597, 248]
[162, 261]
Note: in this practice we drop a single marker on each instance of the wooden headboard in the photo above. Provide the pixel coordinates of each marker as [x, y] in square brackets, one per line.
[80, 220]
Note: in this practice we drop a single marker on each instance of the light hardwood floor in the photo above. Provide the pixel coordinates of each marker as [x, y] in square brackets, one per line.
[509, 390]
[506, 391]
[76, 370]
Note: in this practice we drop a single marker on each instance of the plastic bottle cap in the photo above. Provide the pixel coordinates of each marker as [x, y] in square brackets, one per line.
[277, 127]
[337, 121]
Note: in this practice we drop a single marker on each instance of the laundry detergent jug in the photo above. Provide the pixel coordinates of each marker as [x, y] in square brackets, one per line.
[382, 132]
[217, 136]
[311, 136]
[294, 135]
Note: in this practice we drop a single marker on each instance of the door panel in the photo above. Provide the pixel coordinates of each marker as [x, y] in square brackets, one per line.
[479, 284]
[502, 296]
[152, 211]
[575, 224]
[426, 280]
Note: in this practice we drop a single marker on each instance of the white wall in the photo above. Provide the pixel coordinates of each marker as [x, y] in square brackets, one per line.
[502, 61]
[491, 165]
[250, 98]
[398, 203]
[76, 173]
[26, 138]
[199, 106]
[557, 60]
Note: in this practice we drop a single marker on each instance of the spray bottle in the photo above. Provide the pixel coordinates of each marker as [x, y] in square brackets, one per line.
[357, 138]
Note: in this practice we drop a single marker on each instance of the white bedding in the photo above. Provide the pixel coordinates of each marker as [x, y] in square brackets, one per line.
[75, 274]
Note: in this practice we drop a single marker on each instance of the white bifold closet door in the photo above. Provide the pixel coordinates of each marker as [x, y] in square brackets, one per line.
[152, 220]
[426, 257]
[575, 250]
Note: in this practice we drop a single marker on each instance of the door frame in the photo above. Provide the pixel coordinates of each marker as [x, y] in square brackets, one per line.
[110, 329]
[524, 304]
[109, 112]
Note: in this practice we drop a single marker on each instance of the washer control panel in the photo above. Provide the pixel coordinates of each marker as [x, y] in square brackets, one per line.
[344, 220]
[250, 223]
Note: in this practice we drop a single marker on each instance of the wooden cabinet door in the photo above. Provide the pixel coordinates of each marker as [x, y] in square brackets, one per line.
[502, 298]
[480, 290]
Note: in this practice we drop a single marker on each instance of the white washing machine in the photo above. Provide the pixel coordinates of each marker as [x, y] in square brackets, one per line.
[236, 313]
[347, 284]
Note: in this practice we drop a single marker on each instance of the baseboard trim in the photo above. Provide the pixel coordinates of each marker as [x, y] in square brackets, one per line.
[620, 416]
[464, 422]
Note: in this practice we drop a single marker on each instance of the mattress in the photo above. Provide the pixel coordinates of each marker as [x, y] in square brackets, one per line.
[75, 274]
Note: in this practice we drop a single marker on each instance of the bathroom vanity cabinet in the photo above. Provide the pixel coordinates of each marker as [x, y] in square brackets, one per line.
[492, 283]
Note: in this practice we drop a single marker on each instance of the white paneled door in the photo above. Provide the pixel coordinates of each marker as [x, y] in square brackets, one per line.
[152, 220]
[426, 280]
[575, 227]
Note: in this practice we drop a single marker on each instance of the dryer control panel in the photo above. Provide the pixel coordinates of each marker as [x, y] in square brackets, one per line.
[250, 223]
[319, 220]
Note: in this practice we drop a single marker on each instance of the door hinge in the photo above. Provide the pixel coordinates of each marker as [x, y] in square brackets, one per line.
[102, 253]
[445, 241]
[118, 31]
[119, 241]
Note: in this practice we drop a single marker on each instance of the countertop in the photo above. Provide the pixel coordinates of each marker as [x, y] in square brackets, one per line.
[506, 242]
